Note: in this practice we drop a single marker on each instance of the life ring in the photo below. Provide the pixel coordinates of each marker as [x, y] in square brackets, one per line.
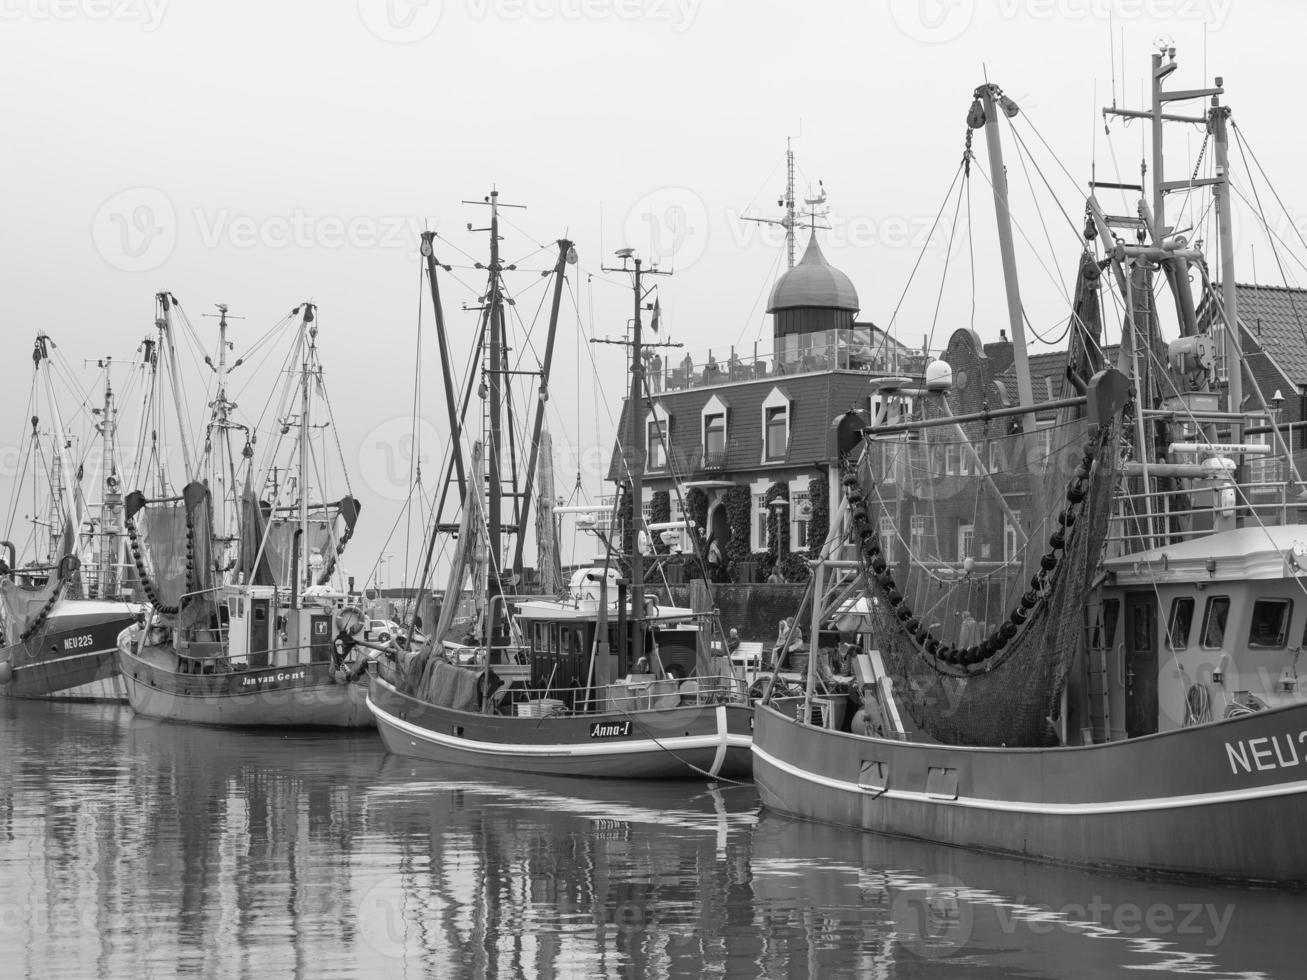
[349, 620]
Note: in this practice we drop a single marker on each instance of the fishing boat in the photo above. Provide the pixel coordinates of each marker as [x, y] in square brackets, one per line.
[62, 610]
[1083, 648]
[591, 678]
[245, 617]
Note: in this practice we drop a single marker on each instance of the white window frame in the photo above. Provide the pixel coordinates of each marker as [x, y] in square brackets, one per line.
[656, 451]
[1010, 535]
[712, 409]
[888, 539]
[777, 398]
[966, 541]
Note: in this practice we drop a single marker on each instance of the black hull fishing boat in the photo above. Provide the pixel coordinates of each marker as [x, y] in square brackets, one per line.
[60, 616]
[587, 680]
[1111, 681]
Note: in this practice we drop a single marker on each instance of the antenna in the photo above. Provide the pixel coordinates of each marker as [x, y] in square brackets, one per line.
[792, 217]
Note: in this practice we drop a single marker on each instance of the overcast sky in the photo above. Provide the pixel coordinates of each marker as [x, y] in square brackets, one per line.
[258, 154]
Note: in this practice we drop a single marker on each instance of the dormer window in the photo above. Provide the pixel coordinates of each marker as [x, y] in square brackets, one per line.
[714, 434]
[776, 419]
[657, 433]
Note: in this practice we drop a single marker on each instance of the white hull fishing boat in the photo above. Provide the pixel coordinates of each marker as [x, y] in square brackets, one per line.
[592, 680]
[245, 618]
[1105, 672]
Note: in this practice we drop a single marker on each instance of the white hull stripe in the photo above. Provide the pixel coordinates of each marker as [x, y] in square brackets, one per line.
[564, 750]
[1050, 809]
[723, 739]
[48, 661]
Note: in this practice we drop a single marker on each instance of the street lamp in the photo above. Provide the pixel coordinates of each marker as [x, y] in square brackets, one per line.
[385, 564]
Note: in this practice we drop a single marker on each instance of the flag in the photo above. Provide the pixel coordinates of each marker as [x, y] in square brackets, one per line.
[657, 316]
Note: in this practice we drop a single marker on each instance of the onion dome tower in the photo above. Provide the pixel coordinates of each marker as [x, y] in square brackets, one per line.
[813, 296]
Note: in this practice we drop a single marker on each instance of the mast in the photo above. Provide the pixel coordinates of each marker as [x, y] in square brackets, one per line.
[163, 321]
[566, 256]
[224, 476]
[1229, 296]
[993, 98]
[1171, 253]
[792, 216]
[635, 440]
[493, 390]
[304, 461]
[442, 338]
[64, 499]
[110, 490]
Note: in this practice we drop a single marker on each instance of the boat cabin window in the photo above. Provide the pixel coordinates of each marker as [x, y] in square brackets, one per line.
[1218, 610]
[1182, 617]
[1270, 624]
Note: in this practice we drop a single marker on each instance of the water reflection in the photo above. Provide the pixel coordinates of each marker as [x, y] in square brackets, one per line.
[130, 847]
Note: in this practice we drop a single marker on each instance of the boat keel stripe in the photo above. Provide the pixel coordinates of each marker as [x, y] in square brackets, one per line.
[563, 750]
[1064, 809]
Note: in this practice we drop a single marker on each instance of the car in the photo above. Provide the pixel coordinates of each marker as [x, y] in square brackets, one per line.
[384, 630]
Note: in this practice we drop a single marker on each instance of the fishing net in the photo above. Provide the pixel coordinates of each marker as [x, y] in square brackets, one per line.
[170, 543]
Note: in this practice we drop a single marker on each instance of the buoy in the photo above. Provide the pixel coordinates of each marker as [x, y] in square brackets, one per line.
[6, 672]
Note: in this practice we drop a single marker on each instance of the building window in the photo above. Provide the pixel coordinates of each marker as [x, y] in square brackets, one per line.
[801, 508]
[657, 434]
[888, 535]
[656, 440]
[917, 528]
[1010, 535]
[714, 434]
[760, 521]
[966, 541]
[777, 432]
[776, 425]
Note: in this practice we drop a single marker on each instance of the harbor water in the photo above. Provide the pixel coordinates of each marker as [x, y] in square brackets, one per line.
[131, 848]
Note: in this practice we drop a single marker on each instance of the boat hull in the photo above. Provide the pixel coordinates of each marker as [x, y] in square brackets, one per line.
[301, 696]
[1226, 799]
[686, 742]
[72, 657]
